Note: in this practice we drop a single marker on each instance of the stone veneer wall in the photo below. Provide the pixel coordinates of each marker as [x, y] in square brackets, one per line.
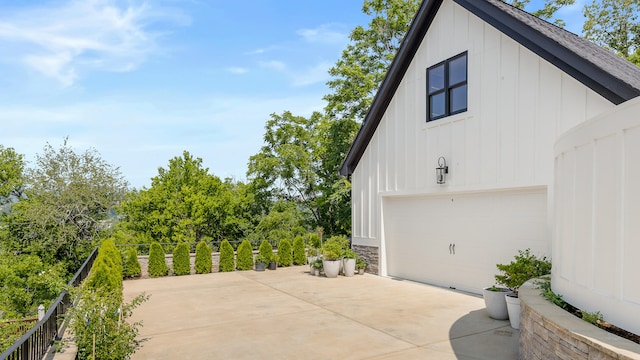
[144, 263]
[549, 332]
[371, 255]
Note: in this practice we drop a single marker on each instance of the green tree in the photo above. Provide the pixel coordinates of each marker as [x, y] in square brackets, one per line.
[283, 221]
[106, 271]
[299, 253]
[203, 258]
[157, 263]
[67, 199]
[285, 256]
[245, 256]
[11, 171]
[547, 11]
[613, 24]
[227, 261]
[181, 259]
[131, 264]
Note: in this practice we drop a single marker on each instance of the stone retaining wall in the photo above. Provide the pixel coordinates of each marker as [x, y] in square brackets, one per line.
[371, 255]
[144, 263]
[549, 332]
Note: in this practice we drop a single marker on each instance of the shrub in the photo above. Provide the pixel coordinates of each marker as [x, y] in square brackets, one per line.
[314, 241]
[157, 263]
[226, 256]
[266, 251]
[106, 272]
[181, 260]
[331, 251]
[285, 258]
[526, 266]
[245, 256]
[299, 254]
[203, 258]
[131, 267]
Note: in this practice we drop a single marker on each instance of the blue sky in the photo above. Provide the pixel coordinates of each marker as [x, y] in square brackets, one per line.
[142, 81]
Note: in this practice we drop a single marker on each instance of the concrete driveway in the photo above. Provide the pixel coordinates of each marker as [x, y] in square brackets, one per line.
[289, 314]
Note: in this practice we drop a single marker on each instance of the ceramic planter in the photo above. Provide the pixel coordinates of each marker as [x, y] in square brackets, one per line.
[361, 271]
[331, 268]
[260, 266]
[349, 267]
[513, 308]
[495, 302]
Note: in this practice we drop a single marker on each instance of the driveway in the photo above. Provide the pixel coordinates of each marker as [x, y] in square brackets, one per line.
[289, 314]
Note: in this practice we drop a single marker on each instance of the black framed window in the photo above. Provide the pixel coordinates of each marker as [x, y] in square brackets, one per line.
[447, 88]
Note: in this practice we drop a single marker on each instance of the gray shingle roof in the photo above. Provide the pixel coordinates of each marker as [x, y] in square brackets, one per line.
[612, 77]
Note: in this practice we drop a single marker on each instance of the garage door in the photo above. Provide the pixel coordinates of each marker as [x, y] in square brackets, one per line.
[457, 240]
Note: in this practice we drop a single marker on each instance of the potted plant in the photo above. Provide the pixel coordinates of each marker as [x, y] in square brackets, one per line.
[261, 262]
[331, 259]
[361, 264]
[495, 303]
[349, 262]
[273, 262]
[312, 255]
[526, 266]
[316, 267]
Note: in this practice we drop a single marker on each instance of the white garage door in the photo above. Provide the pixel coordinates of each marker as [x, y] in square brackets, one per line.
[456, 240]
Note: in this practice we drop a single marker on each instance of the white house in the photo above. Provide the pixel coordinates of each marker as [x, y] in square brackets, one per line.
[490, 89]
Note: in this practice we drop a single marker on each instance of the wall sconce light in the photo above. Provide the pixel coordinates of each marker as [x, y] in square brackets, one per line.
[442, 170]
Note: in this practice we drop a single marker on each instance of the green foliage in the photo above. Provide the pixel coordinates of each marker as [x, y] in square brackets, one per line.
[260, 258]
[314, 241]
[594, 318]
[107, 269]
[266, 251]
[245, 256]
[341, 242]
[157, 263]
[349, 254]
[131, 264]
[12, 331]
[547, 293]
[203, 258]
[11, 171]
[361, 263]
[299, 253]
[67, 200]
[614, 25]
[331, 251]
[181, 260]
[526, 266]
[227, 262]
[285, 255]
[102, 315]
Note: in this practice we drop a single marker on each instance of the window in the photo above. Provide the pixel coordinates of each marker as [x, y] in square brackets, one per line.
[447, 88]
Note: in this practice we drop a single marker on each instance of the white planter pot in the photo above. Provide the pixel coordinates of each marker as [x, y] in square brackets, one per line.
[495, 303]
[331, 268]
[349, 267]
[513, 307]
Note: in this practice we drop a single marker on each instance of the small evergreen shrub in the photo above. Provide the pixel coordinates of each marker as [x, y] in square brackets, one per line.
[266, 251]
[285, 257]
[226, 256]
[299, 254]
[106, 272]
[203, 258]
[181, 265]
[157, 264]
[245, 256]
[314, 241]
[131, 268]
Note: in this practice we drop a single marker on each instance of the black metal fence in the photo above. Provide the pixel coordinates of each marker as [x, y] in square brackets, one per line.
[35, 343]
[143, 249]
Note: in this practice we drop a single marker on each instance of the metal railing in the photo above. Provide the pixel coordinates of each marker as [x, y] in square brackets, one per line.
[35, 343]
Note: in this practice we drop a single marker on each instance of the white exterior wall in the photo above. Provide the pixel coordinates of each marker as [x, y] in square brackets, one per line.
[517, 105]
[597, 228]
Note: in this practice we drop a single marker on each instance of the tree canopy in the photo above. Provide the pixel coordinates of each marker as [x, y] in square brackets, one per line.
[613, 24]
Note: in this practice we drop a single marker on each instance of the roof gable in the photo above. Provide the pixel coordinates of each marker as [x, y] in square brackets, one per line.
[612, 77]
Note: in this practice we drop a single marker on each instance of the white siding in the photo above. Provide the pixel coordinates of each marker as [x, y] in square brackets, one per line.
[518, 104]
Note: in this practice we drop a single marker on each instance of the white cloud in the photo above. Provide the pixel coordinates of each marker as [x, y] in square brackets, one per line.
[65, 40]
[238, 70]
[313, 75]
[274, 65]
[326, 34]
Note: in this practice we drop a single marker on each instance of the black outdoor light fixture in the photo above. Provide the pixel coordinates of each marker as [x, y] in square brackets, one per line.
[442, 170]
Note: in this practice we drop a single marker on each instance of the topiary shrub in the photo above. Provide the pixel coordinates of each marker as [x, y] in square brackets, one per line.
[157, 264]
[285, 257]
[299, 253]
[106, 272]
[245, 256]
[181, 264]
[131, 268]
[203, 258]
[266, 251]
[226, 257]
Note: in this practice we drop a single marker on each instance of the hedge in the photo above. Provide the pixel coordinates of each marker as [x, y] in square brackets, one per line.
[299, 253]
[131, 268]
[106, 272]
[181, 261]
[245, 256]
[157, 263]
[203, 258]
[285, 258]
[266, 250]
[226, 256]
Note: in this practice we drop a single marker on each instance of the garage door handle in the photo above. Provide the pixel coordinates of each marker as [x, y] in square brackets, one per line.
[450, 248]
[454, 249]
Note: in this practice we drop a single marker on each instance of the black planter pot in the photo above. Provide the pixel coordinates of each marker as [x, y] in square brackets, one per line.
[260, 266]
[273, 265]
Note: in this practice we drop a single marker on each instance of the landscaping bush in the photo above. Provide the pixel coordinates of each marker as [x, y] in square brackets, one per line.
[285, 258]
[157, 263]
[131, 268]
[226, 256]
[245, 256]
[526, 266]
[106, 272]
[314, 241]
[266, 251]
[181, 264]
[203, 258]
[299, 254]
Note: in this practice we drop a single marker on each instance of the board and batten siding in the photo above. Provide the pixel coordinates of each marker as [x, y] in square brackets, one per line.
[518, 104]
